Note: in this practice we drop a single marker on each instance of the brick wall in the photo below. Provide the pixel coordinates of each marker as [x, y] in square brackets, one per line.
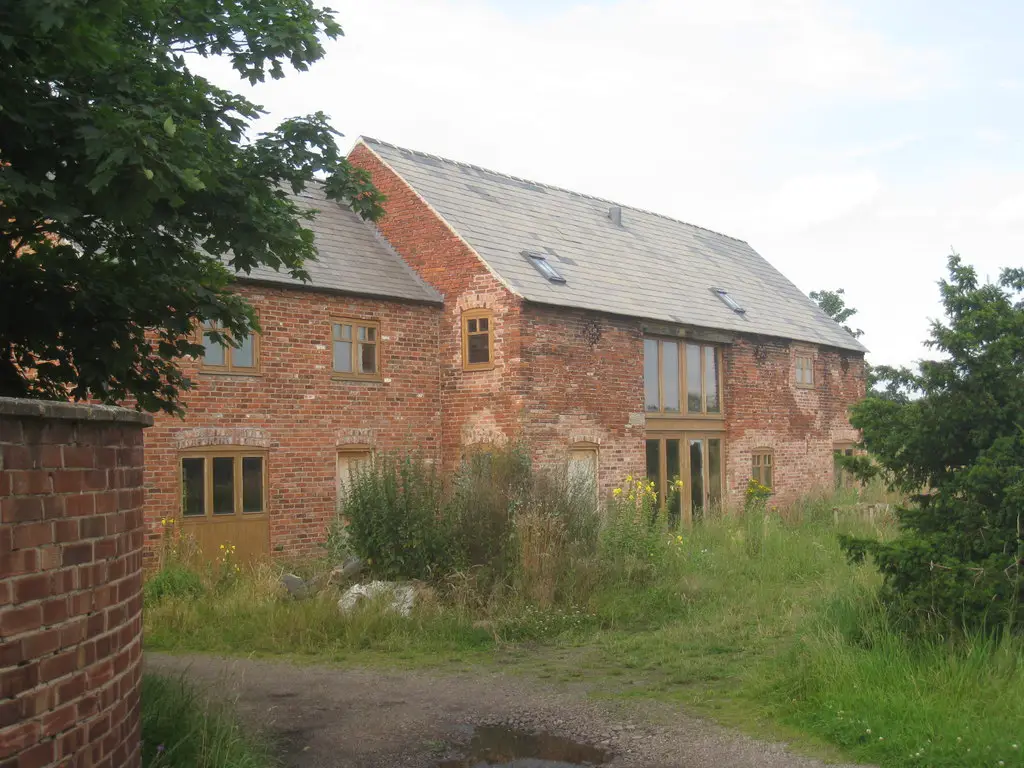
[480, 406]
[299, 413]
[583, 382]
[765, 409]
[70, 584]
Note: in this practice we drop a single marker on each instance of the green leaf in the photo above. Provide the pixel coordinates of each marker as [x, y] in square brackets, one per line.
[169, 127]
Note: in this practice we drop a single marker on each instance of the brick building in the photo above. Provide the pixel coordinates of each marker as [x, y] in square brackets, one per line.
[486, 308]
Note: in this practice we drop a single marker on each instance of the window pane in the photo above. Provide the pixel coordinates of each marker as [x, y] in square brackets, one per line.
[483, 324]
[244, 356]
[651, 375]
[654, 464]
[711, 380]
[471, 326]
[223, 485]
[367, 358]
[670, 375]
[252, 484]
[193, 490]
[767, 472]
[213, 353]
[343, 356]
[693, 399]
[674, 496]
[715, 472]
[479, 349]
[697, 477]
[342, 332]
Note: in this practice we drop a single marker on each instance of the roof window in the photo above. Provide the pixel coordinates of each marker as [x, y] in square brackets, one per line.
[542, 265]
[729, 301]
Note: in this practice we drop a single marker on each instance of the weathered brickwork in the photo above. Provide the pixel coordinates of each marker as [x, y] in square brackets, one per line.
[299, 412]
[71, 499]
[583, 382]
[765, 409]
[479, 406]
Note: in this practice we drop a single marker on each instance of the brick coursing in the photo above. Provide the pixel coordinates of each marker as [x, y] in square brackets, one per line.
[71, 500]
[297, 410]
[560, 376]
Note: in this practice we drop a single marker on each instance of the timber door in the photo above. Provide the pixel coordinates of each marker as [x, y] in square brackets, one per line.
[686, 468]
[224, 501]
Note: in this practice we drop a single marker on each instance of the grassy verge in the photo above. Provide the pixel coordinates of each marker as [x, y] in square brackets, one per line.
[180, 729]
[756, 621]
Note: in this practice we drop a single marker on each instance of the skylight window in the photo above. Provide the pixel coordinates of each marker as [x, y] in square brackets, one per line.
[729, 301]
[542, 265]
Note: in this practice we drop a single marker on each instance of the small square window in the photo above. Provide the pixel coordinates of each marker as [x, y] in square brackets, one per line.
[356, 349]
[220, 357]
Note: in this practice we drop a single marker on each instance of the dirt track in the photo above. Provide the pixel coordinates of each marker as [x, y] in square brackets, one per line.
[329, 717]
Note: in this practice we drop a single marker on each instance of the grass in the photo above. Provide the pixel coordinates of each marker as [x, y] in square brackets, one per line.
[759, 622]
[180, 729]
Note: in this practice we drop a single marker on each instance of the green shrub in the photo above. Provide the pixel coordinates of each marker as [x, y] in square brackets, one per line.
[395, 519]
[635, 539]
[956, 428]
[180, 729]
[173, 580]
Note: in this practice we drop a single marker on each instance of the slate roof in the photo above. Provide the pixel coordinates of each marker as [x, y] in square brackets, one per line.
[353, 257]
[651, 267]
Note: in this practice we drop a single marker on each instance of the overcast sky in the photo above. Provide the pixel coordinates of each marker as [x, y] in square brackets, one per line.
[852, 144]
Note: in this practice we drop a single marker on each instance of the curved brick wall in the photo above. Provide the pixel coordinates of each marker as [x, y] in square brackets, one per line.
[70, 584]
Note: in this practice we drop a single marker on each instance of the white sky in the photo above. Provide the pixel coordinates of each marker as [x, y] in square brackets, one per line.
[851, 144]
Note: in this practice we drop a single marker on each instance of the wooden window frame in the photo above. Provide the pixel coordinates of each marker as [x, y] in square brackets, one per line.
[477, 314]
[585, 446]
[354, 449]
[354, 374]
[841, 479]
[757, 465]
[684, 439]
[803, 360]
[683, 412]
[228, 367]
[236, 453]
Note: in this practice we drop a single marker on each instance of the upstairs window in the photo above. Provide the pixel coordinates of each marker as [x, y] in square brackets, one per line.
[477, 339]
[804, 371]
[356, 349]
[680, 376]
[221, 357]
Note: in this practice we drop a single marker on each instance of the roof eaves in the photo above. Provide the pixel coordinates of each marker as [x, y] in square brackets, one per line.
[297, 286]
[502, 281]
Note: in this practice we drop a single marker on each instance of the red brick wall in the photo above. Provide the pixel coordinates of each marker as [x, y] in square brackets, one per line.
[583, 380]
[478, 406]
[301, 414]
[70, 584]
[765, 409]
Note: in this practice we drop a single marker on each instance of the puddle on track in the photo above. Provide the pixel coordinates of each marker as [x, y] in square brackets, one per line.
[500, 747]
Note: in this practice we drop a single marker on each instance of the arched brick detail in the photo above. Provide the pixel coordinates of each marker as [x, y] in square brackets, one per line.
[202, 437]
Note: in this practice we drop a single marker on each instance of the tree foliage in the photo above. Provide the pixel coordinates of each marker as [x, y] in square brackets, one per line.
[833, 304]
[955, 428]
[131, 192]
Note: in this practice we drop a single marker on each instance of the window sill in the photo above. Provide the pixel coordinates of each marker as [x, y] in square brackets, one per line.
[246, 374]
[358, 378]
[482, 367]
[656, 415]
[804, 386]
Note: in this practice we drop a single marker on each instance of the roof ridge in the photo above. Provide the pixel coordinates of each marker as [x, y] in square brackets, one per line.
[554, 187]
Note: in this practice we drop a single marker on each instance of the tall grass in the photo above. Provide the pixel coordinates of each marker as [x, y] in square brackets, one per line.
[180, 728]
[756, 618]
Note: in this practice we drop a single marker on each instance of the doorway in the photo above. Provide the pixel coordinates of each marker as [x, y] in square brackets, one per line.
[686, 469]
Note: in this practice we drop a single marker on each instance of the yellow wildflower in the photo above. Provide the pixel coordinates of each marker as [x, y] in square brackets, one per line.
[617, 492]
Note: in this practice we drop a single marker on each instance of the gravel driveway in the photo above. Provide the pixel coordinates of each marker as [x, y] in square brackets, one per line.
[332, 717]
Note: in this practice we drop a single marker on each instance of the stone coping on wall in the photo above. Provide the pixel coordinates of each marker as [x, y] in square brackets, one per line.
[55, 409]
